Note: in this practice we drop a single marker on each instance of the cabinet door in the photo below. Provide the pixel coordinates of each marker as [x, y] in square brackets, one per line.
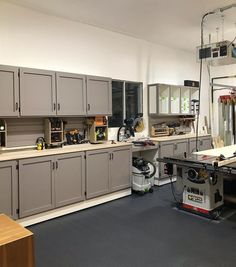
[9, 92]
[175, 100]
[163, 99]
[36, 185]
[69, 179]
[71, 94]
[37, 92]
[165, 150]
[99, 96]
[181, 147]
[185, 100]
[205, 144]
[152, 99]
[97, 172]
[192, 145]
[8, 188]
[121, 162]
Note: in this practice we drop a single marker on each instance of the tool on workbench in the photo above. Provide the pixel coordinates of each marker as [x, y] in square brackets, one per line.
[40, 143]
[98, 129]
[130, 126]
[53, 132]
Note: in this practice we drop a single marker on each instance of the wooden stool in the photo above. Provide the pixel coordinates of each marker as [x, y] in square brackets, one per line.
[16, 244]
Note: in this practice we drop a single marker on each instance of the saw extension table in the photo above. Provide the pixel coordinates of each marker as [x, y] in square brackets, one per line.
[200, 177]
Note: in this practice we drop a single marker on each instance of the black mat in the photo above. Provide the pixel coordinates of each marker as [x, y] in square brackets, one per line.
[136, 231]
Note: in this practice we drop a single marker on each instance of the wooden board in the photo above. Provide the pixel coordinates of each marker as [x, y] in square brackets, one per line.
[16, 244]
[224, 162]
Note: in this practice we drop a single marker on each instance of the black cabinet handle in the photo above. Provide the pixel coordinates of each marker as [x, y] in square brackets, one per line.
[17, 106]
[54, 106]
[88, 106]
[53, 165]
[56, 164]
[112, 156]
[58, 106]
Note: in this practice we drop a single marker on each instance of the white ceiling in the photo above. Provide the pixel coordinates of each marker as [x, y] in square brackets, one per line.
[174, 23]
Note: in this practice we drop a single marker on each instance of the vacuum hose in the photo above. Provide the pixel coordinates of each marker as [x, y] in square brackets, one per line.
[118, 133]
[150, 175]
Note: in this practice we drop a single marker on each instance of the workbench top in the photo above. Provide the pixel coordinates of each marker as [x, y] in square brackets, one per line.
[177, 137]
[227, 151]
[33, 153]
[11, 231]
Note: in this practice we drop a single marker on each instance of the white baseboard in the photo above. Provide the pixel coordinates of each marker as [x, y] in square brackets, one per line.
[44, 216]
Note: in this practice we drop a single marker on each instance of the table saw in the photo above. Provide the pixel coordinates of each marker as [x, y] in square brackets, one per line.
[200, 178]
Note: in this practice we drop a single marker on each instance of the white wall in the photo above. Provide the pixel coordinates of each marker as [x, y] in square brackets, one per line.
[33, 39]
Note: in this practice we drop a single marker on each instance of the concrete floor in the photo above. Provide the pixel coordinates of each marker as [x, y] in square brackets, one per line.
[136, 231]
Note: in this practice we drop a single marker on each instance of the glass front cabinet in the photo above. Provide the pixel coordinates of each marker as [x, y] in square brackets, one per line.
[166, 99]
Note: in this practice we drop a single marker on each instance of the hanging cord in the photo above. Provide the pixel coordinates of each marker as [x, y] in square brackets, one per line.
[223, 26]
[200, 78]
[174, 193]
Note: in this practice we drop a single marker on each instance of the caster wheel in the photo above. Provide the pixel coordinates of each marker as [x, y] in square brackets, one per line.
[150, 190]
[141, 193]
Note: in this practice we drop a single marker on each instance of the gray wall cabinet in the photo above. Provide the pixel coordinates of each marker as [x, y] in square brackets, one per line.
[164, 99]
[9, 91]
[121, 163]
[41, 93]
[36, 185]
[69, 178]
[99, 96]
[71, 94]
[97, 172]
[108, 170]
[37, 92]
[9, 188]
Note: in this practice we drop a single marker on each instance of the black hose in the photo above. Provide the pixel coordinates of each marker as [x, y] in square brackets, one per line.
[154, 169]
[118, 133]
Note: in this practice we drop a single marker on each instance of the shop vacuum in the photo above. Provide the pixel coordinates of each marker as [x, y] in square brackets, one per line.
[143, 175]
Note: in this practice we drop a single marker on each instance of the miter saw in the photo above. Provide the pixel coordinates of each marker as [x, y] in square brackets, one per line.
[130, 126]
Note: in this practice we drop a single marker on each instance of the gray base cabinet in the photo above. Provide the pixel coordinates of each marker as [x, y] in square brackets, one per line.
[49, 182]
[36, 185]
[97, 172]
[107, 170]
[69, 179]
[204, 143]
[9, 188]
[121, 171]
[168, 149]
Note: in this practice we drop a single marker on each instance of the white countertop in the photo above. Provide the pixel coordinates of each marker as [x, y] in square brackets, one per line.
[32, 153]
[177, 137]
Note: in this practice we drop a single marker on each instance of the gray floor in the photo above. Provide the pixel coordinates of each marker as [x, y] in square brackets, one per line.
[136, 231]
